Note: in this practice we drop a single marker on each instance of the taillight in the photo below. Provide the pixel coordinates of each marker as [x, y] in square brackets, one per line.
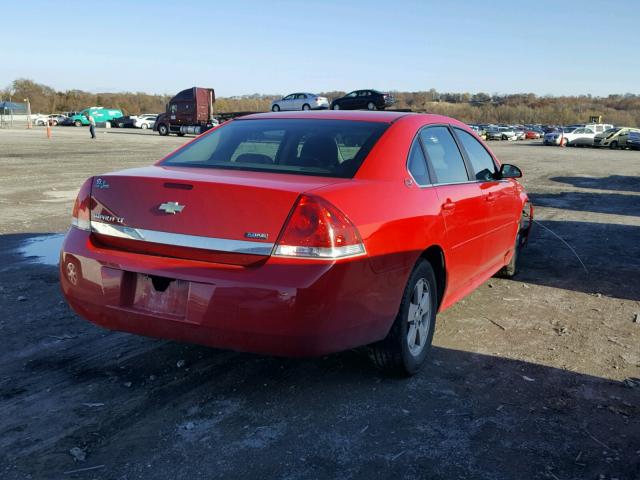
[81, 215]
[317, 229]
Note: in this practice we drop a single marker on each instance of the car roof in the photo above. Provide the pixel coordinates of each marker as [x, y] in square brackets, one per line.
[355, 115]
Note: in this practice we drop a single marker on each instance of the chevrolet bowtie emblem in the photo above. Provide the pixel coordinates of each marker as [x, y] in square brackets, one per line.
[171, 207]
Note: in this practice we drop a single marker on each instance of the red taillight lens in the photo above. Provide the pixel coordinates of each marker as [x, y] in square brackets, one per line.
[81, 215]
[317, 229]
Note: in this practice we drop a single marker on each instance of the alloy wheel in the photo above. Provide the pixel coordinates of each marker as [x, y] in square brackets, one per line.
[418, 318]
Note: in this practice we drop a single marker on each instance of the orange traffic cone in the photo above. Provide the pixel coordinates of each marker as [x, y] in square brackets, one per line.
[48, 131]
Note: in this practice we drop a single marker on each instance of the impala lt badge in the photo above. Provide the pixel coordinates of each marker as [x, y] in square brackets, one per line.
[171, 207]
[256, 235]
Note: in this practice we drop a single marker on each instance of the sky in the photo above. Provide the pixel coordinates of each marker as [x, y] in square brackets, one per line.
[276, 47]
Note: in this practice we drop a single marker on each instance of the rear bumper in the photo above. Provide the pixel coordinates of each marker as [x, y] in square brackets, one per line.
[282, 307]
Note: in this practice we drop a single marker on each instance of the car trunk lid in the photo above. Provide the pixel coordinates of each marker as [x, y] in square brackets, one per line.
[203, 214]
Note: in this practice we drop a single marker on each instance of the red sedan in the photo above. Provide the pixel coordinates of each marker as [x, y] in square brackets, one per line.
[298, 234]
[532, 135]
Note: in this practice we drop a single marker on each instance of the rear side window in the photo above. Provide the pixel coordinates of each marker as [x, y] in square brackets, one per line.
[481, 162]
[417, 164]
[443, 153]
[334, 148]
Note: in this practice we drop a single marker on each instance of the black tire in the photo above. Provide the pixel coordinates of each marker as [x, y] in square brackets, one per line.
[613, 145]
[163, 130]
[275, 108]
[510, 270]
[306, 106]
[144, 126]
[77, 123]
[393, 354]
[180, 134]
[371, 106]
[335, 106]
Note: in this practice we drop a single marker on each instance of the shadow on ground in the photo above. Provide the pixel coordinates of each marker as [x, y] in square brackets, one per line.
[612, 182]
[611, 203]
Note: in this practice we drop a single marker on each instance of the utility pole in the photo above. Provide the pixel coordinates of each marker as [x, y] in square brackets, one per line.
[28, 112]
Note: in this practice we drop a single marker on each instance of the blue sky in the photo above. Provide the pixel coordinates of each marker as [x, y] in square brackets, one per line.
[246, 46]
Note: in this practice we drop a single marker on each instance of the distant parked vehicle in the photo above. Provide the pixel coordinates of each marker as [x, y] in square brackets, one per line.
[300, 101]
[126, 121]
[493, 133]
[39, 120]
[363, 99]
[633, 142]
[520, 133]
[99, 114]
[479, 130]
[558, 136]
[507, 133]
[189, 112]
[145, 121]
[533, 134]
[615, 138]
[580, 137]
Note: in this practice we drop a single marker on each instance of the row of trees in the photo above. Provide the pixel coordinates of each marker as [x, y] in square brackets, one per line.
[478, 107]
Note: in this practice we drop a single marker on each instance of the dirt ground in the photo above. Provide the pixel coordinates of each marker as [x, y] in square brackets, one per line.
[532, 378]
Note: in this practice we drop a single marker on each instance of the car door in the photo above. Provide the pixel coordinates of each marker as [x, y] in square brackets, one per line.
[364, 97]
[301, 99]
[501, 201]
[350, 100]
[287, 102]
[462, 207]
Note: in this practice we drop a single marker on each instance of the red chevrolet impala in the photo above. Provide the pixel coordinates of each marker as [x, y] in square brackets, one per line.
[298, 234]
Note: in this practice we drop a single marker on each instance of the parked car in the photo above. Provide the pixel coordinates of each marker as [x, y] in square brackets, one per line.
[519, 133]
[251, 238]
[580, 137]
[507, 133]
[633, 142]
[145, 121]
[532, 134]
[493, 133]
[99, 114]
[363, 99]
[39, 119]
[126, 121]
[479, 131]
[614, 138]
[557, 136]
[300, 101]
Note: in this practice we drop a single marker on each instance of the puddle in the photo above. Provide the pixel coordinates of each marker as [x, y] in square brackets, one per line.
[43, 249]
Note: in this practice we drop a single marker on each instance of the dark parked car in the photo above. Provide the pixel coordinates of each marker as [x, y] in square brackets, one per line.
[363, 99]
[124, 122]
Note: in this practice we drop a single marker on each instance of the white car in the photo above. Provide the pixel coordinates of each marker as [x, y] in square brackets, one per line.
[300, 101]
[145, 121]
[555, 137]
[580, 137]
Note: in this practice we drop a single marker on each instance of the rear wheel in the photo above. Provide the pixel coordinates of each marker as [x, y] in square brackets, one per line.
[77, 123]
[275, 108]
[613, 145]
[163, 129]
[405, 348]
[144, 126]
[335, 106]
[306, 106]
[371, 106]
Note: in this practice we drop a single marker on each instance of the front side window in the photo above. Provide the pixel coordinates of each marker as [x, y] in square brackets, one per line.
[443, 153]
[352, 94]
[334, 148]
[482, 163]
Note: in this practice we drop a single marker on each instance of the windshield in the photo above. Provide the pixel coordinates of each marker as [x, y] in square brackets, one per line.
[334, 148]
[568, 129]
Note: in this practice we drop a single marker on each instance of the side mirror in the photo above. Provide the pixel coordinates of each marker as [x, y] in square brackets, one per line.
[510, 171]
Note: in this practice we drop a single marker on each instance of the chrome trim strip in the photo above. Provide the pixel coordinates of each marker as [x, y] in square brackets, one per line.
[182, 240]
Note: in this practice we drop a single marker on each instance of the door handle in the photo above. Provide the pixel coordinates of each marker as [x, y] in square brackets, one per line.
[448, 205]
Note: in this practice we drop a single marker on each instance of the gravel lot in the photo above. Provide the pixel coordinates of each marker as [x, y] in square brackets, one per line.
[532, 378]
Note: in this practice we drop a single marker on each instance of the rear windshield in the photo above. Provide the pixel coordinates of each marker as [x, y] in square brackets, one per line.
[334, 148]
